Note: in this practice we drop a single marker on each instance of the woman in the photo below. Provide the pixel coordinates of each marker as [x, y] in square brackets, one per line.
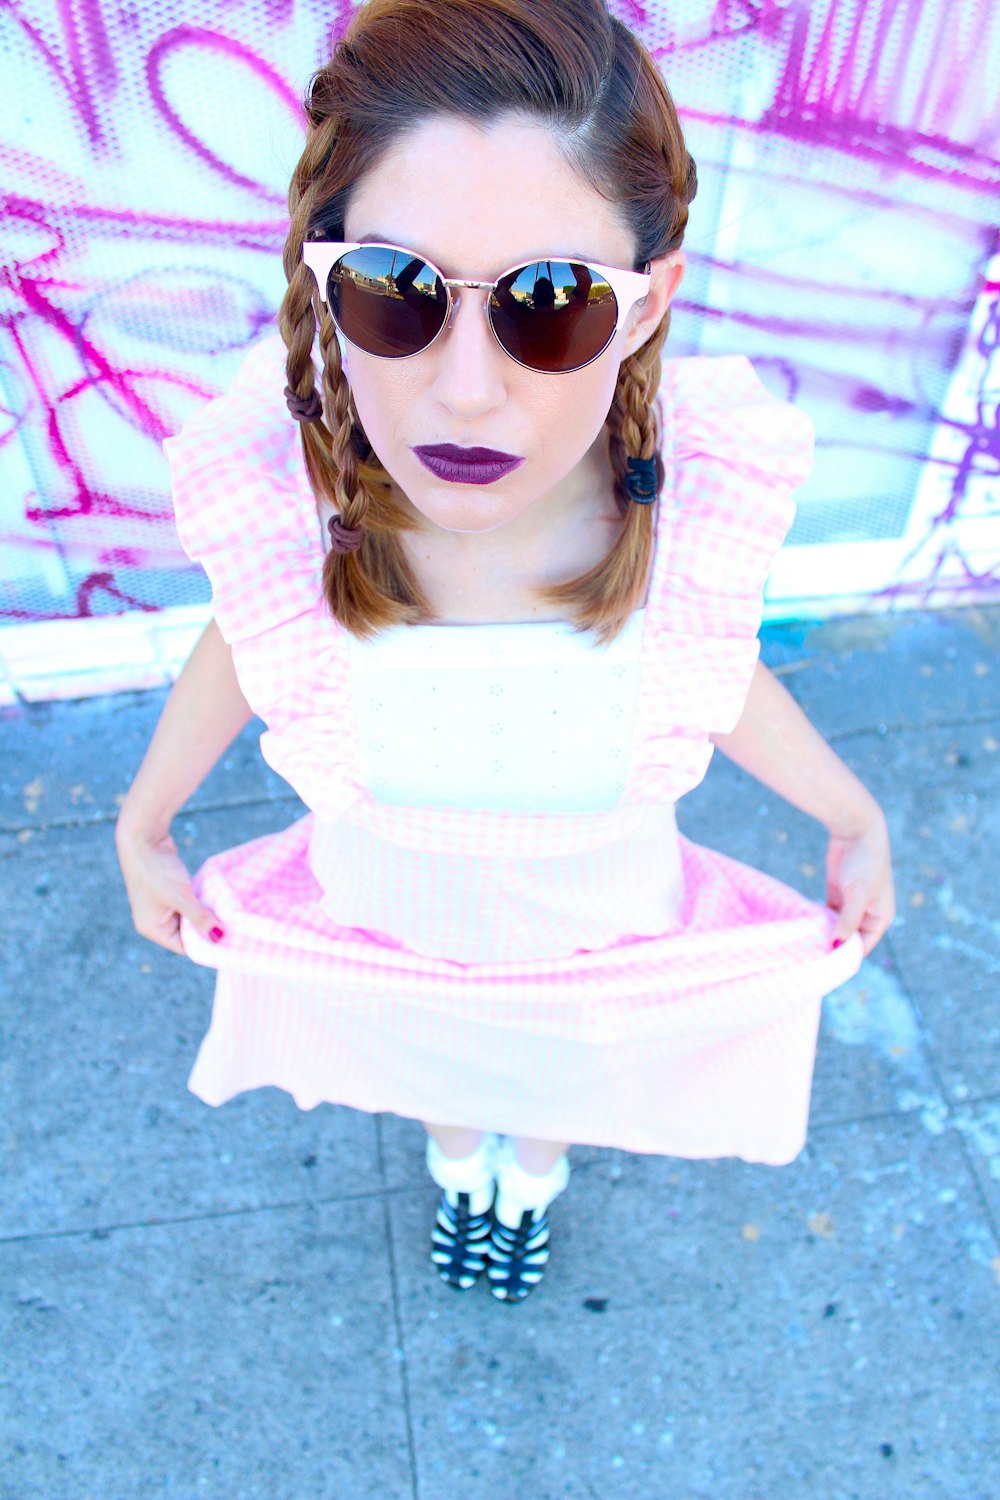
[496, 604]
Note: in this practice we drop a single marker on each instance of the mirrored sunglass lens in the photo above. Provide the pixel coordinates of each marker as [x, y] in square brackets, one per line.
[554, 315]
[386, 301]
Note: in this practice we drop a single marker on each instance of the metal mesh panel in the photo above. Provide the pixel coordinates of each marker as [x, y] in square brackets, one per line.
[840, 238]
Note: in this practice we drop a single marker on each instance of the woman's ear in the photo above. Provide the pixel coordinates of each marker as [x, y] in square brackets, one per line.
[667, 272]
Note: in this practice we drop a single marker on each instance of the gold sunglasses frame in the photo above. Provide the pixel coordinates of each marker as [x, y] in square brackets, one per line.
[629, 287]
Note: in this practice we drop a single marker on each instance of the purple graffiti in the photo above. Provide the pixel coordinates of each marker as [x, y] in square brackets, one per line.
[191, 36]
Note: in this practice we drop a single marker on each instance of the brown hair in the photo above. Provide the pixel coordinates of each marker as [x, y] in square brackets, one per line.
[570, 65]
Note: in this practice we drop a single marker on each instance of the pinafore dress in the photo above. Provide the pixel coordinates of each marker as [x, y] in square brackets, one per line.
[574, 971]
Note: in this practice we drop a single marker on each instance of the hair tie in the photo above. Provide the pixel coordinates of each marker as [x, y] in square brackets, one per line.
[304, 408]
[344, 538]
[641, 480]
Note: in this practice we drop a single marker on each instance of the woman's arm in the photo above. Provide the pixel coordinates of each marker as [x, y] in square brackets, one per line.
[202, 716]
[776, 743]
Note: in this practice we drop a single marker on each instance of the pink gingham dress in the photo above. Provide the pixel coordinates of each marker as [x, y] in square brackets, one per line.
[586, 975]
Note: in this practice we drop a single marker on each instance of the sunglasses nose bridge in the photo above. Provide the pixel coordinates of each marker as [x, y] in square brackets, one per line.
[455, 288]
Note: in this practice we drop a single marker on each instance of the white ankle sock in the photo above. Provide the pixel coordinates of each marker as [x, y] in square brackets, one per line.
[467, 1174]
[518, 1189]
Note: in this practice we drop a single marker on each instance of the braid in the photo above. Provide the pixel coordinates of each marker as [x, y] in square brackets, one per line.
[633, 423]
[373, 585]
[633, 431]
[298, 312]
[349, 494]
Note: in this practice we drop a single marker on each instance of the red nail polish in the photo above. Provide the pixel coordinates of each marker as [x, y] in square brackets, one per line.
[838, 942]
[216, 934]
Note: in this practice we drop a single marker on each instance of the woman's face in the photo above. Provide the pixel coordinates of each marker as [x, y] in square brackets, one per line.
[476, 201]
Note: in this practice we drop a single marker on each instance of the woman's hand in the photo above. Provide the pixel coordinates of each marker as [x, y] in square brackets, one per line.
[160, 890]
[859, 881]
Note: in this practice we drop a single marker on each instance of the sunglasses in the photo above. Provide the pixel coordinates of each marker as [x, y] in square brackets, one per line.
[549, 315]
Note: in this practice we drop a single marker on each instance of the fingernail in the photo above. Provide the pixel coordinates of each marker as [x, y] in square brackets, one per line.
[216, 934]
[838, 942]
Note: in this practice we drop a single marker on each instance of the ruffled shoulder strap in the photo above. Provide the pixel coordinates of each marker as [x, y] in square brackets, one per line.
[245, 511]
[733, 455]
[243, 503]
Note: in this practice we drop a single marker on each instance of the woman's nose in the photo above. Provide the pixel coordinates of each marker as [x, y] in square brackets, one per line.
[470, 362]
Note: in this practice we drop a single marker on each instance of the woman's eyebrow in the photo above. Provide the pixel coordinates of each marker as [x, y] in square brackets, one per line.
[390, 239]
[528, 260]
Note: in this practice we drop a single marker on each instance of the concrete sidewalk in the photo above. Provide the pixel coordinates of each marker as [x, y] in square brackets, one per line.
[240, 1303]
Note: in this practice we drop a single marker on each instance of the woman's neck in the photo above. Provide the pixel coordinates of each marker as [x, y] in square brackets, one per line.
[533, 542]
[492, 577]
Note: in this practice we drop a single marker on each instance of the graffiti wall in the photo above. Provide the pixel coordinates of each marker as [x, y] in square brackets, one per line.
[843, 238]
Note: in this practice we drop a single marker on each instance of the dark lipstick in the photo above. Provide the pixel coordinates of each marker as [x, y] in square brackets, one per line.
[466, 465]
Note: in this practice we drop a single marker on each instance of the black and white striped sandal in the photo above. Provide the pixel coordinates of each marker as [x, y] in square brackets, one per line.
[460, 1240]
[518, 1257]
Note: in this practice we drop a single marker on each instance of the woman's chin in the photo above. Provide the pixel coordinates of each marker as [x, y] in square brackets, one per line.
[463, 509]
